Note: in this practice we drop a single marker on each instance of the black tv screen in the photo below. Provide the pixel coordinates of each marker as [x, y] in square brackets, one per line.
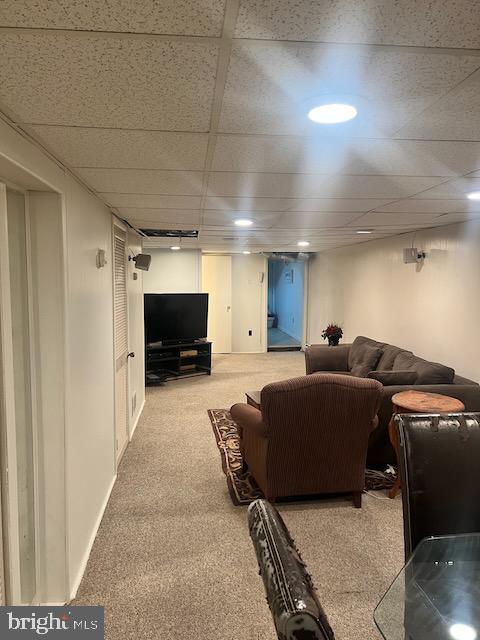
[175, 316]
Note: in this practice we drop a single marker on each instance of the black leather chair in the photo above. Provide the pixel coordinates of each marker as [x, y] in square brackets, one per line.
[439, 464]
[296, 611]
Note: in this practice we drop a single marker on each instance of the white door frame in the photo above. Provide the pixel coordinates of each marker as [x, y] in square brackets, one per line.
[306, 269]
[7, 419]
[305, 305]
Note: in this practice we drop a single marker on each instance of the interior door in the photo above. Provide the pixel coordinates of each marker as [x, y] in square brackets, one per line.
[217, 282]
[121, 339]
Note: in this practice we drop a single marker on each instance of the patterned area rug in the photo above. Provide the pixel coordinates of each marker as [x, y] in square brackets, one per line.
[241, 485]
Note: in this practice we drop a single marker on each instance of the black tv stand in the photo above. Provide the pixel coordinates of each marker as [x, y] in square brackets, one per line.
[177, 360]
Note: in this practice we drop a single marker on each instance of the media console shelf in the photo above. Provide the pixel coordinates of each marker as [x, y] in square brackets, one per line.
[180, 360]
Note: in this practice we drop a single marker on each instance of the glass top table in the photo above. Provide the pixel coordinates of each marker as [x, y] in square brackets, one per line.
[436, 596]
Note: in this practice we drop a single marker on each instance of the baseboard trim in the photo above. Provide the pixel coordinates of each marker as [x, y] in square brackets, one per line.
[86, 555]
[242, 353]
[137, 419]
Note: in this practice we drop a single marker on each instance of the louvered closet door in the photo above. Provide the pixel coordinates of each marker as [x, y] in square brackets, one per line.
[121, 340]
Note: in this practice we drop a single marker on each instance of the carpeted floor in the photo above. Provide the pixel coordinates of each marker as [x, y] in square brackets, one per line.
[173, 558]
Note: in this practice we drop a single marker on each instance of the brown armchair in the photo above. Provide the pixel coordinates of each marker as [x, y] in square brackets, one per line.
[311, 435]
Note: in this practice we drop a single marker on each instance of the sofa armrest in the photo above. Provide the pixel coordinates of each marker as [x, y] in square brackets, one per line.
[250, 418]
[321, 357]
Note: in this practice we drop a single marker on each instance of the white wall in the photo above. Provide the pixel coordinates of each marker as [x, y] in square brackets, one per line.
[90, 399]
[249, 303]
[180, 272]
[87, 380]
[432, 309]
[173, 271]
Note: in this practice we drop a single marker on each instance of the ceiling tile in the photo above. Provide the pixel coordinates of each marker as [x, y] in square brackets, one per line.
[453, 117]
[293, 204]
[314, 220]
[338, 204]
[182, 183]
[455, 189]
[226, 203]
[181, 17]
[444, 23]
[297, 185]
[269, 84]
[344, 155]
[412, 205]
[375, 219]
[121, 148]
[107, 81]
[135, 200]
[452, 218]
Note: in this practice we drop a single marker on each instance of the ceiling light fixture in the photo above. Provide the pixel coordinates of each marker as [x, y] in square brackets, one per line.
[246, 253]
[475, 195]
[365, 231]
[243, 222]
[175, 248]
[462, 632]
[303, 243]
[333, 113]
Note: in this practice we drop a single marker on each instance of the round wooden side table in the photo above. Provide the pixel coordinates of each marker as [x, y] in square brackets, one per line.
[418, 402]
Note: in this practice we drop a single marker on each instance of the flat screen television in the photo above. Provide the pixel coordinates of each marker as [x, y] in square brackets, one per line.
[175, 317]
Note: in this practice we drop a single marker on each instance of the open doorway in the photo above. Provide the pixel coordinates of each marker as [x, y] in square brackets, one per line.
[286, 281]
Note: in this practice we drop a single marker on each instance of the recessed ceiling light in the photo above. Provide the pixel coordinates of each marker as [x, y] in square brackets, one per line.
[333, 113]
[175, 248]
[246, 253]
[462, 632]
[243, 222]
[365, 231]
[303, 243]
[475, 195]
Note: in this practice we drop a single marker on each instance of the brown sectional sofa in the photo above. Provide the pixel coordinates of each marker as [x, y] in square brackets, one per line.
[398, 370]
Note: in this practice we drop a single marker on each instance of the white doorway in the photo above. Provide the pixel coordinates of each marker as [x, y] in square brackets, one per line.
[120, 320]
[19, 457]
[217, 282]
[286, 304]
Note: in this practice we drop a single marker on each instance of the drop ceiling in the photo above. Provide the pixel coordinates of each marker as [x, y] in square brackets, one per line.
[186, 114]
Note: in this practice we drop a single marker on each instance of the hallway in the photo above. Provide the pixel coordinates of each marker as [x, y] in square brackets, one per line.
[173, 557]
[278, 338]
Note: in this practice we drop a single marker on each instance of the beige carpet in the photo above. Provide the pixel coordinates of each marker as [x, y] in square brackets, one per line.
[173, 558]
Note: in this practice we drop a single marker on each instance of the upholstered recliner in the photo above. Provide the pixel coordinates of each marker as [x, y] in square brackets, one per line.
[310, 436]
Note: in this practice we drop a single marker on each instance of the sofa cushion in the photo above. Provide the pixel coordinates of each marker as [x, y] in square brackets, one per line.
[390, 352]
[357, 344]
[427, 372]
[389, 378]
[366, 358]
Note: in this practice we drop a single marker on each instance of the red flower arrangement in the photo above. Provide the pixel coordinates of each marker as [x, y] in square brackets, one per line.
[332, 333]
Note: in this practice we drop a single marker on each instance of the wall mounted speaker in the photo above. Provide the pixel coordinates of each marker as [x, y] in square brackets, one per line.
[142, 261]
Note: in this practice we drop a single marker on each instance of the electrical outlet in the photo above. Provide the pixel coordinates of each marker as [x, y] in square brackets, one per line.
[250, 332]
